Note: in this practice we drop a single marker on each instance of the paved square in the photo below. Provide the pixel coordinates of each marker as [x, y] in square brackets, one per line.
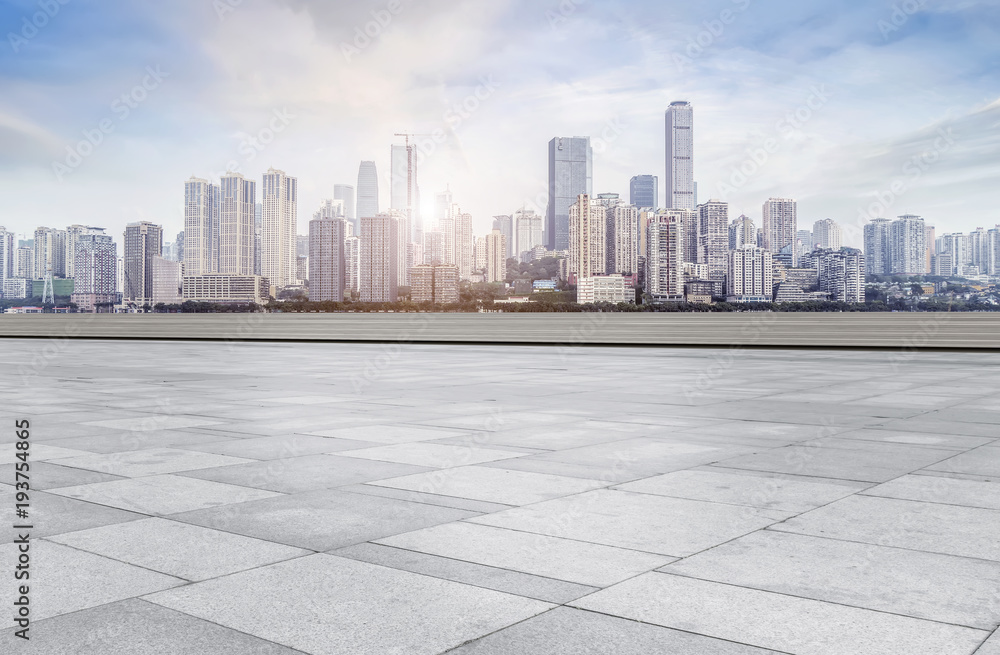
[199, 498]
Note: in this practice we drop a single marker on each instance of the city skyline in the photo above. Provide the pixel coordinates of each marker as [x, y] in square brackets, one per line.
[204, 93]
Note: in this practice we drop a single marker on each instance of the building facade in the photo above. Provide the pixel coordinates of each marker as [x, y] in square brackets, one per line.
[379, 258]
[613, 289]
[237, 242]
[434, 284]
[751, 276]
[842, 274]
[878, 254]
[644, 192]
[713, 238]
[143, 242]
[664, 278]
[227, 289]
[327, 259]
[680, 156]
[587, 238]
[280, 195]
[201, 240]
[828, 235]
[496, 257]
[780, 223]
[571, 174]
[367, 204]
[908, 245]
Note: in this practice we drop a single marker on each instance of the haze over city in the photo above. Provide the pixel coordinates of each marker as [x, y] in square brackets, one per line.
[851, 104]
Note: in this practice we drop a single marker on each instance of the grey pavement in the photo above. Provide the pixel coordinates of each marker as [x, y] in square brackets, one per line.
[347, 499]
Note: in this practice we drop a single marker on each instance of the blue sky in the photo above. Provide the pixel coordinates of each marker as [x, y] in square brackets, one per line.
[898, 103]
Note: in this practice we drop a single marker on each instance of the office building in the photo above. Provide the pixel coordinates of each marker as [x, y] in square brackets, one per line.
[379, 258]
[571, 173]
[742, 233]
[327, 271]
[750, 276]
[434, 284]
[842, 274]
[713, 238]
[612, 289]
[167, 282]
[496, 257]
[878, 254]
[227, 289]
[202, 227]
[345, 194]
[908, 245]
[529, 231]
[587, 239]
[280, 195]
[680, 156]
[780, 223]
[367, 204]
[827, 234]
[664, 256]
[644, 192]
[143, 242]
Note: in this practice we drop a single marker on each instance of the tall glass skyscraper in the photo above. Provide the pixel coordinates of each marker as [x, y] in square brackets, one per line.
[644, 192]
[680, 156]
[571, 174]
[367, 206]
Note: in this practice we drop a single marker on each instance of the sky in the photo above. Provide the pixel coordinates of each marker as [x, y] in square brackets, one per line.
[857, 109]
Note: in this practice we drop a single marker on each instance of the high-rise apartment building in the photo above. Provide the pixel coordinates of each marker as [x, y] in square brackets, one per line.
[8, 256]
[50, 253]
[842, 274]
[571, 174]
[367, 205]
[280, 195]
[327, 259]
[587, 238]
[434, 284]
[405, 195]
[379, 258]
[345, 194]
[352, 256]
[73, 233]
[878, 254]
[780, 223]
[713, 238]
[168, 282]
[465, 242]
[479, 250]
[908, 240]
[237, 200]
[433, 249]
[95, 260]
[742, 233]
[528, 228]
[664, 256]
[143, 242]
[828, 235]
[25, 263]
[622, 239]
[680, 156]
[202, 228]
[750, 277]
[644, 192]
[496, 256]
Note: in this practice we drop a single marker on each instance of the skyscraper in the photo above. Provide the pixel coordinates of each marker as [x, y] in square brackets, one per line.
[713, 238]
[878, 255]
[908, 245]
[278, 236]
[8, 256]
[587, 238]
[571, 173]
[143, 242]
[379, 258]
[528, 231]
[465, 242]
[506, 226]
[622, 239]
[50, 253]
[345, 193]
[680, 156]
[742, 233]
[352, 256]
[842, 273]
[367, 191]
[644, 191]
[827, 234]
[406, 190]
[95, 265]
[237, 196]
[780, 223]
[750, 277]
[496, 256]
[327, 259]
[201, 227]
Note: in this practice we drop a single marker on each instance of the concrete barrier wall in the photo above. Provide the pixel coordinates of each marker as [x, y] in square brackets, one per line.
[820, 330]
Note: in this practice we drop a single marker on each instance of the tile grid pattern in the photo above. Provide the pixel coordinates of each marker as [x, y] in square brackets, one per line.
[327, 499]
